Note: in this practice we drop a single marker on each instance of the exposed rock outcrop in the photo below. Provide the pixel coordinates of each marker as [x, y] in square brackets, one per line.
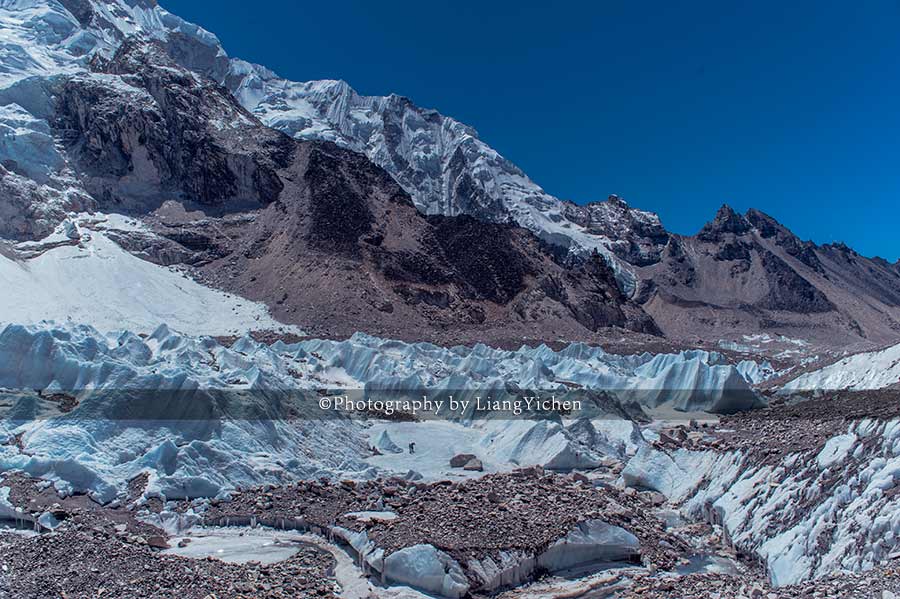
[153, 132]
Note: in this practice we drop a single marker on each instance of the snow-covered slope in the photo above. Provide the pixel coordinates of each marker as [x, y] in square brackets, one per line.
[870, 370]
[82, 276]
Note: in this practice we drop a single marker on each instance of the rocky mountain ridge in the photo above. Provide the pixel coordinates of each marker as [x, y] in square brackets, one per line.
[748, 272]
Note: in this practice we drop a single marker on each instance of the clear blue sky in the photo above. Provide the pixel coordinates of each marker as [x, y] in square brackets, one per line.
[790, 107]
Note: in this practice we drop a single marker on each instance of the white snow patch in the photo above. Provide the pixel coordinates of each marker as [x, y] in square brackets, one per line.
[98, 283]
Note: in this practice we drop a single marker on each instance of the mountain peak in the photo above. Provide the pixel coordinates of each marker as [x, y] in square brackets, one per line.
[726, 221]
[767, 225]
[615, 200]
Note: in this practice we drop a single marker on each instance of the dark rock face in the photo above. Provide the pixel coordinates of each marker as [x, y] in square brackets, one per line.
[601, 301]
[26, 211]
[340, 215]
[157, 130]
[726, 221]
[733, 250]
[638, 237]
[768, 227]
[80, 9]
[871, 277]
[788, 290]
[483, 256]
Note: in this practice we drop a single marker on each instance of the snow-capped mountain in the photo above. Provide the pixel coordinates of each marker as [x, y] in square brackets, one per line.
[718, 284]
[279, 220]
[440, 162]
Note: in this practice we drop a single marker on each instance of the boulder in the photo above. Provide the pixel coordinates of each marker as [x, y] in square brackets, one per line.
[157, 542]
[580, 478]
[460, 460]
[474, 465]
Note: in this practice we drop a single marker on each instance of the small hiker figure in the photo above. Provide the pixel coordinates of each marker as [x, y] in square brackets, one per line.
[412, 448]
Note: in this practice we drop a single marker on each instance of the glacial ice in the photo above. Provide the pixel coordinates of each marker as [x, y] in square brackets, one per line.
[386, 444]
[201, 418]
[26, 144]
[591, 541]
[804, 518]
[427, 568]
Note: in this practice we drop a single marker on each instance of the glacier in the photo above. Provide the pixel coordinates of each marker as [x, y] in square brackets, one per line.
[202, 418]
[802, 518]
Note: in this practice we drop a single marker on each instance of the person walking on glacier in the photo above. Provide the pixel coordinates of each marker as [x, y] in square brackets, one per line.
[412, 447]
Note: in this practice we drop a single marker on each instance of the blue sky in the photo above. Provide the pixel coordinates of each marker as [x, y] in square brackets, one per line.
[789, 107]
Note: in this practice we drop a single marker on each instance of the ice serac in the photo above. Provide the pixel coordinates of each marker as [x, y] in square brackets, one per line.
[200, 418]
[845, 519]
[427, 568]
[196, 417]
[386, 444]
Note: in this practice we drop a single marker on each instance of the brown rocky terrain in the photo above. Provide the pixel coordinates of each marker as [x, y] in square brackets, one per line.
[107, 552]
[788, 424]
[90, 559]
[748, 273]
[880, 583]
[528, 510]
